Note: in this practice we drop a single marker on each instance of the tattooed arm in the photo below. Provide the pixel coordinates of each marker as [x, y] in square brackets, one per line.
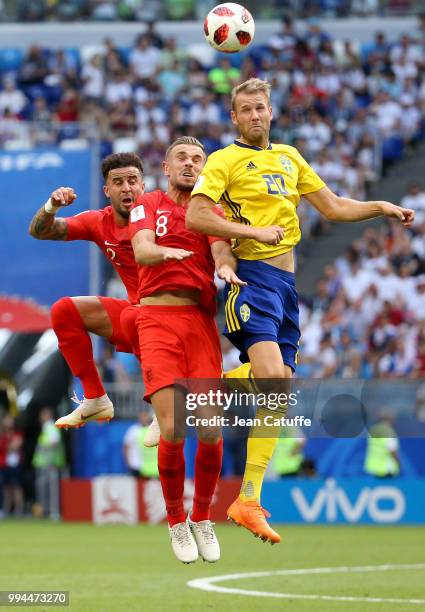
[44, 225]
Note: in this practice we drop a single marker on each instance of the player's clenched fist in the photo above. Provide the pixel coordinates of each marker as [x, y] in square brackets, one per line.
[405, 215]
[178, 254]
[63, 196]
[269, 235]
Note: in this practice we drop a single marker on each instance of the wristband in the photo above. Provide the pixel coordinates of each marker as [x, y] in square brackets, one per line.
[50, 208]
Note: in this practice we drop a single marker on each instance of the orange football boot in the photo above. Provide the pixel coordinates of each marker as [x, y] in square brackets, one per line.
[252, 516]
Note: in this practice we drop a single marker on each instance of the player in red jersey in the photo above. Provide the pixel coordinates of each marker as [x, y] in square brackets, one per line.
[178, 337]
[74, 317]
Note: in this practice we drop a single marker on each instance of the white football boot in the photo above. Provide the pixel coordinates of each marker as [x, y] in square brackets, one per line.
[152, 435]
[205, 539]
[183, 543]
[98, 409]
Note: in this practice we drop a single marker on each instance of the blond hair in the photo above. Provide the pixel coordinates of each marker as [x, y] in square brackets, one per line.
[251, 86]
[185, 140]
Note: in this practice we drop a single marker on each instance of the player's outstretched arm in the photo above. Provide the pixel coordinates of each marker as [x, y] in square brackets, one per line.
[148, 253]
[225, 262]
[337, 208]
[44, 224]
[200, 217]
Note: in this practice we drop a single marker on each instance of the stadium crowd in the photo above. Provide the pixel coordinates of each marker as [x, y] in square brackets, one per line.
[133, 10]
[367, 318]
[341, 105]
[347, 108]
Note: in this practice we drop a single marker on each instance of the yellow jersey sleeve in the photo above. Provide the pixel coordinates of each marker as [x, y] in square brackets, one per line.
[308, 179]
[214, 178]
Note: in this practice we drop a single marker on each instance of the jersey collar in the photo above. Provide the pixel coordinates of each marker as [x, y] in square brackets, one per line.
[246, 146]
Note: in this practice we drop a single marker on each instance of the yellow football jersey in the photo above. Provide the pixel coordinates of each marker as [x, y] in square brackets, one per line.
[259, 187]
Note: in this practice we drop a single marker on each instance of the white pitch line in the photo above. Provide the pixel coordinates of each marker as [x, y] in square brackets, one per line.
[207, 584]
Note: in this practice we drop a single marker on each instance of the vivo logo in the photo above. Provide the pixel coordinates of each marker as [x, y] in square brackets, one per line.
[23, 161]
[332, 499]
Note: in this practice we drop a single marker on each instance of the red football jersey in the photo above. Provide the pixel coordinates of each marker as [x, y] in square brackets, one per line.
[157, 212]
[99, 226]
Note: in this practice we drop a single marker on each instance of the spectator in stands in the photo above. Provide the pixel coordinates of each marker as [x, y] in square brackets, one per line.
[197, 79]
[382, 459]
[415, 198]
[205, 110]
[375, 51]
[68, 108]
[31, 10]
[149, 110]
[68, 10]
[13, 130]
[122, 120]
[11, 440]
[12, 98]
[48, 460]
[141, 461]
[144, 58]
[285, 39]
[42, 129]
[349, 358]
[326, 363]
[289, 452]
[118, 88]
[223, 77]
[418, 370]
[418, 246]
[33, 68]
[155, 38]
[172, 81]
[103, 10]
[93, 79]
[314, 36]
[62, 66]
[179, 9]
[170, 53]
[416, 302]
[112, 59]
[112, 369]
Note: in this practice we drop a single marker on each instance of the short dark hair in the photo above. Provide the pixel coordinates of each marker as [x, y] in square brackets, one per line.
[185, 140]
[121, 160]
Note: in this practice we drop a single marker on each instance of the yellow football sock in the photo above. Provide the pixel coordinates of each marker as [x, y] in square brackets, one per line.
[260, 448]
[242, 371]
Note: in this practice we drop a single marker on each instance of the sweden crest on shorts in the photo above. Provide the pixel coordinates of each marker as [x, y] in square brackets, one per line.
[245, 312]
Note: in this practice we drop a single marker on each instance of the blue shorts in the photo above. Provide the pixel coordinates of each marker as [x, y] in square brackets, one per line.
[266, 309]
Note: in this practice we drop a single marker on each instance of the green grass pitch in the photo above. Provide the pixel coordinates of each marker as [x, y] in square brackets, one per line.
[120, 568]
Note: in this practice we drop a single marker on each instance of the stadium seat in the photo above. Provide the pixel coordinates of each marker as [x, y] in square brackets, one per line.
[35, 91]
[10, 60]
[73, 54]
[125, 54]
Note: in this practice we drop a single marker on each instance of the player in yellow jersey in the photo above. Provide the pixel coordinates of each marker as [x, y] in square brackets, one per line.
[259, 185]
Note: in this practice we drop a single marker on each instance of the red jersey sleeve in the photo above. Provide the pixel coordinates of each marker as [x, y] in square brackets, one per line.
[80, 227]
[142, 215]
[220, 212]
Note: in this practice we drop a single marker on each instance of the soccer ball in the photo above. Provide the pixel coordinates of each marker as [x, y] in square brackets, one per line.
[229, 27]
